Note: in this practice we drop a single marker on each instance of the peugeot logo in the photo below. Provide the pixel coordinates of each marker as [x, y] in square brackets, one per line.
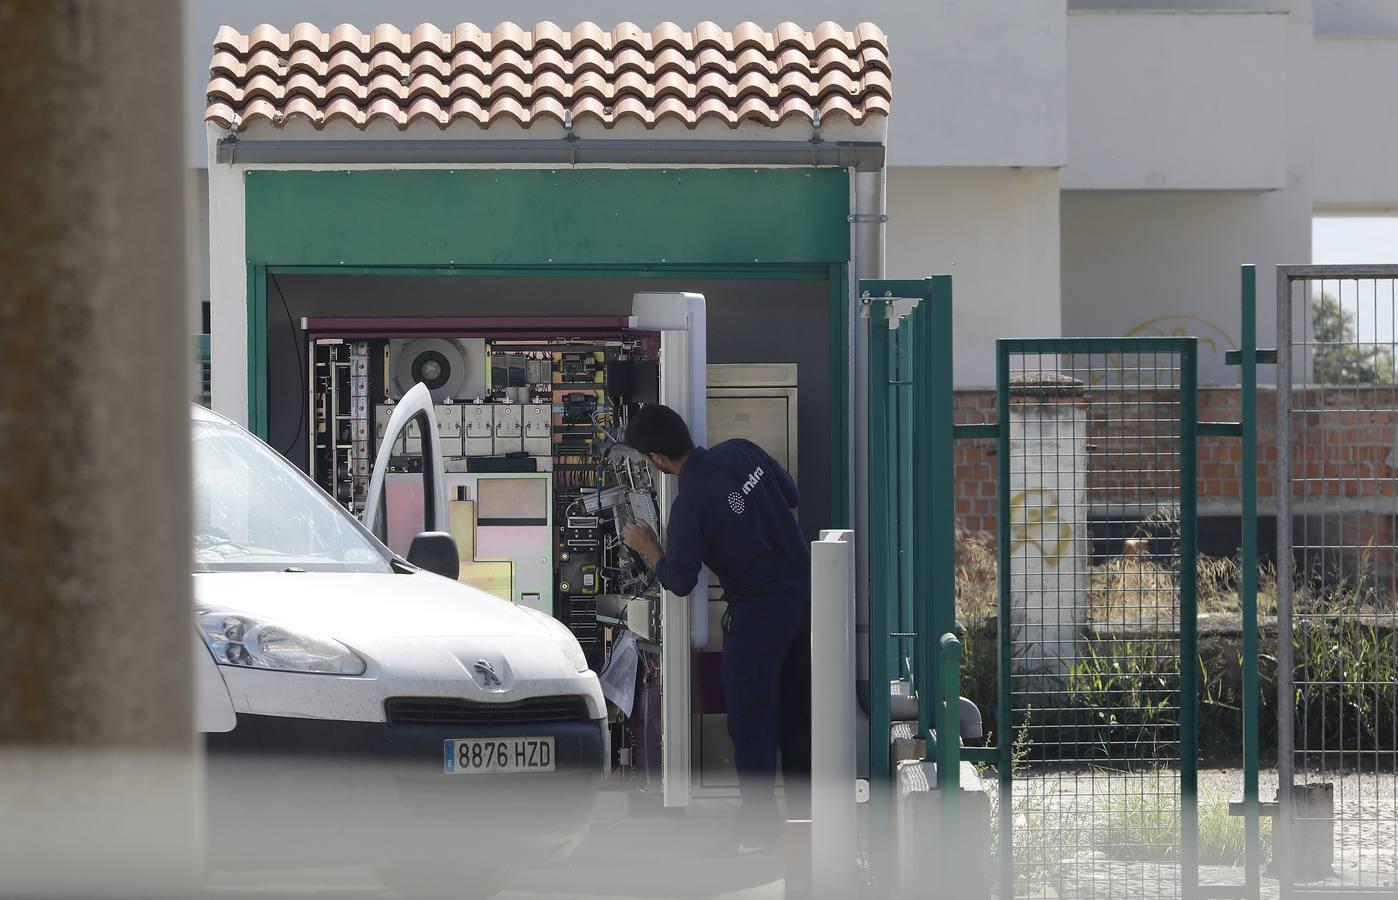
[487, 674]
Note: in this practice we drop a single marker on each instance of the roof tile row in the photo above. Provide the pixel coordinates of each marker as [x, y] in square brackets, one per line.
[744, 75]
[508, 34]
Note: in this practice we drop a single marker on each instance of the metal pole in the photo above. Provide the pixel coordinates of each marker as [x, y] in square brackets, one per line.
[1189, 619]
[1004, 726]
[1252, 840]
[938, 416]
[948, 703]
[833, 773]
[882, 574]
[1286, 696]
[97, 743]
[868, 234]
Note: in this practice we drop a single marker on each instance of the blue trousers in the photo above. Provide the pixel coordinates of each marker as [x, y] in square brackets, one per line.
[766, 673]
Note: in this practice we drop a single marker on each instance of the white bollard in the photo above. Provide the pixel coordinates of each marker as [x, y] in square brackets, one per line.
[833, 774]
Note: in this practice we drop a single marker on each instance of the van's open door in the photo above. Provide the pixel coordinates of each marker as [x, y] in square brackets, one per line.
[680, 319]
[424, 502]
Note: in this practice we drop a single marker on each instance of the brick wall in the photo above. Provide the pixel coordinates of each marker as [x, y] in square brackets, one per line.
[1345, 446]
[975, 463]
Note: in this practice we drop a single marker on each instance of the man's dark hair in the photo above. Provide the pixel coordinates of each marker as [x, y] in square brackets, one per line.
[658, 429]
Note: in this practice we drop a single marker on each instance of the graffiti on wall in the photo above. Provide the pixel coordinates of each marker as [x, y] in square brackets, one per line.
[1035, 522]
[1214, 342]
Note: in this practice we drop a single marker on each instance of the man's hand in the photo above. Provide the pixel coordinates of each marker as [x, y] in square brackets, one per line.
[640, 538]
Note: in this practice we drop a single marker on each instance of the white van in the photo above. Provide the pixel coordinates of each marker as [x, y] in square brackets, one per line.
[355, 703]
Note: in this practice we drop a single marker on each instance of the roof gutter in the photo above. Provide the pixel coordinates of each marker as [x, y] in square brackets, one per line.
[863, 156]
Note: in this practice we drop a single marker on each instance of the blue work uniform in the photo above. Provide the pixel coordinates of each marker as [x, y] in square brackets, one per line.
[733, 513]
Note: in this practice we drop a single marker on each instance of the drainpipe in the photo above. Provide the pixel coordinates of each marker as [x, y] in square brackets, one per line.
[868, 223]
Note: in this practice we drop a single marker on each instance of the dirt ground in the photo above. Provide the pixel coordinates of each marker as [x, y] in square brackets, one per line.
[1091, 835]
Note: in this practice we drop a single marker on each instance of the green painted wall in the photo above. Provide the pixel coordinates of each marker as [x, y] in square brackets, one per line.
[547, 217]
[714, 223]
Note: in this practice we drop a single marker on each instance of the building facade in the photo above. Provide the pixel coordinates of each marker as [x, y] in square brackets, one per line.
[1083, 168]
[1094, 167]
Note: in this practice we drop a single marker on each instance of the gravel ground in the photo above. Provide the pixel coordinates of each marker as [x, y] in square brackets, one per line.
[1092, 835]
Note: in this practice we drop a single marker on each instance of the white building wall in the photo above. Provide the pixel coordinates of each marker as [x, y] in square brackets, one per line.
[1166, 262]
[1354, 18]
[996, 231]
[1180, 101]
[1353, 124]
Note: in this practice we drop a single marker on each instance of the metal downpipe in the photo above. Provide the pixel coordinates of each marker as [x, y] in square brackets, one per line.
[869, 222]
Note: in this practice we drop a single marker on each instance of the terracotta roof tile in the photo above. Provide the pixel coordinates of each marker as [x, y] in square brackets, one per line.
[747, 74]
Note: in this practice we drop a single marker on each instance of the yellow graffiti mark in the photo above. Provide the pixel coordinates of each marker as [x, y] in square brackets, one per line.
[1034, 521]
[1212, 339]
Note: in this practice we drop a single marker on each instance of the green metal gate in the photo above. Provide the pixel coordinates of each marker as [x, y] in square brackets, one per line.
[1097, 546]
[911, 542]
[1337, 597]
[1094, 747]
[1097, 747]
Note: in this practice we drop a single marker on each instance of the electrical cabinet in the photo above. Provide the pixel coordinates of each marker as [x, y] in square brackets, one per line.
[529, 473]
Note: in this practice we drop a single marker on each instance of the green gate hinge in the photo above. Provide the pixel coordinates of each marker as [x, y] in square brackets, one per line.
[895, 310]
[1264, 357]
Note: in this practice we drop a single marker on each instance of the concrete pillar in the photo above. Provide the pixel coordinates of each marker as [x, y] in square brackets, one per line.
[1048, 523]
[97, 753]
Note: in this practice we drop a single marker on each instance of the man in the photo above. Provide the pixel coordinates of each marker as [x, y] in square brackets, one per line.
[733, 513]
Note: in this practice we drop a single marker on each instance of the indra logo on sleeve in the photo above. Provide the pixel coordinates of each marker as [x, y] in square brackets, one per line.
[735, 499]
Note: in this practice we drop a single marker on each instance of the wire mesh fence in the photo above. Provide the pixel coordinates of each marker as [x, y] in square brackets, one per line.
[1338, 545]
[1098, 525]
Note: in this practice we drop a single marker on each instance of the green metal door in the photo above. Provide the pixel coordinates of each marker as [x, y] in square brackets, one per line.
[1096, 725]
[911, 516]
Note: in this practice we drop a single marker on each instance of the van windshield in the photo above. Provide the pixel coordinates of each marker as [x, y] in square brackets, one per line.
[254, 511]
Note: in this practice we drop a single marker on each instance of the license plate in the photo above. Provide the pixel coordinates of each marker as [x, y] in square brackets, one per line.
[486, 756]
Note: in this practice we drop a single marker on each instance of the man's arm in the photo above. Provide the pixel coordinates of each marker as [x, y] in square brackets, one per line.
[679, 564]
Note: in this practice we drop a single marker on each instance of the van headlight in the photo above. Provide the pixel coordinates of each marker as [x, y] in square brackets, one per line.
[236, 639]
[563, 637]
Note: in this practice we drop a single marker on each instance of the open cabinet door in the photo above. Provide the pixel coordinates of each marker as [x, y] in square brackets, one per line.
[680, 319]
[430, 495]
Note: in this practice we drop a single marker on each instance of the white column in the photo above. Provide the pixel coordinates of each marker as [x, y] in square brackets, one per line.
[833, 732]
[228, 288]
[1048, 523]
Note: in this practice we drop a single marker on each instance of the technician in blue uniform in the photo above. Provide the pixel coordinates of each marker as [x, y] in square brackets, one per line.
[733, 513]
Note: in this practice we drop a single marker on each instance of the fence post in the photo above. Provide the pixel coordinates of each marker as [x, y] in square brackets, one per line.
[949, 717]
[1004, 727]
[883, 574]
[938, 415]
[1286, 697]
[1189, 617]
[1251, 826]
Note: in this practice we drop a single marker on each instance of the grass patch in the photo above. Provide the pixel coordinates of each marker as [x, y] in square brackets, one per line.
[1346, 651]
[1222, 836]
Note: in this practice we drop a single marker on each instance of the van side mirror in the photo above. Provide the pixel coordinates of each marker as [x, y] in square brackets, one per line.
[435, 551]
